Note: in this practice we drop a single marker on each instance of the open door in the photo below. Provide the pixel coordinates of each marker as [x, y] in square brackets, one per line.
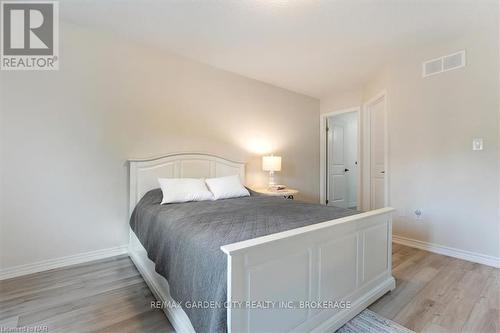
[337, 180]
[342, 158]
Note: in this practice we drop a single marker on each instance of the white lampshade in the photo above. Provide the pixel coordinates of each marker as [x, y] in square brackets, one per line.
[271, 163]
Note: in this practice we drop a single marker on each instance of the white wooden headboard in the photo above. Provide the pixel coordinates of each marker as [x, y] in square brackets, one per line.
[144, 173]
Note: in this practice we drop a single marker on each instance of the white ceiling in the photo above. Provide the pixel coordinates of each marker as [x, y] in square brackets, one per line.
[309, 46]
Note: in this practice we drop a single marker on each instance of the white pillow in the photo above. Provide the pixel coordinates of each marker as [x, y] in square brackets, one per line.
[226, 187]
[183, 190]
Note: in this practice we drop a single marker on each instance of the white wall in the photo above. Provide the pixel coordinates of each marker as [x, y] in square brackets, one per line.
[498, 132]
[65, 137]
[431, 125]
[341, 100]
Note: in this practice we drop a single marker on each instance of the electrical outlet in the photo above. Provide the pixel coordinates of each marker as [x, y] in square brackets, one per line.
[477, 144]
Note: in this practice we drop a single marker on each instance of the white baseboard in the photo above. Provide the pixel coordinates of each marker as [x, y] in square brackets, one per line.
[61, 262]
[448, 251]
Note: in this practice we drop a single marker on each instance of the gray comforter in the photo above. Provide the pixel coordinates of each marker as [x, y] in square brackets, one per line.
[184, 240]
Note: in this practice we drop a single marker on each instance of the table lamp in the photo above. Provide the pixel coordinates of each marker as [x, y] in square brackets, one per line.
[272, 164]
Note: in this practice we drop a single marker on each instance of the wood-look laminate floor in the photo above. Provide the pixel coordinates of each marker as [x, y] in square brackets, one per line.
[434, 293]
[102, 296]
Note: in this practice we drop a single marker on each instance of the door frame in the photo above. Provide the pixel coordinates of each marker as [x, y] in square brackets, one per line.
[323, 176]
[367, 172]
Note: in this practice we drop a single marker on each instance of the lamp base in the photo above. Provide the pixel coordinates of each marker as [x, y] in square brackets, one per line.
[272, 182]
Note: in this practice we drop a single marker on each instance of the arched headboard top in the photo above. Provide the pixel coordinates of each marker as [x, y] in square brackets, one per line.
[144, 173]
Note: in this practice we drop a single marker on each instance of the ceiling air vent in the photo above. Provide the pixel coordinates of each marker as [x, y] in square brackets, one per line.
[443, 64]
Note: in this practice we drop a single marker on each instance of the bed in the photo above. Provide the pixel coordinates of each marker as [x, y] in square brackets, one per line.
[312, 270]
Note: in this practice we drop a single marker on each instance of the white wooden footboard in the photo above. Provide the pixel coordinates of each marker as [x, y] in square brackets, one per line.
[314, 278]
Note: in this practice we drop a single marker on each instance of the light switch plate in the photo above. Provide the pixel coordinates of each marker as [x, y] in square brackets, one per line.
[477, 144]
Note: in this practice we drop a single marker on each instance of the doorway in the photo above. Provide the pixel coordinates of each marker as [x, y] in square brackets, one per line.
[371, 173]
[342, 162]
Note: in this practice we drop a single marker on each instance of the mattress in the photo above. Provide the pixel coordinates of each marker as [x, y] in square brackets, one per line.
[184, 239]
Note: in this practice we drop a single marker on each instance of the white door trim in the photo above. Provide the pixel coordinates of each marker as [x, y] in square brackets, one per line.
[322, 153]
[367, 151]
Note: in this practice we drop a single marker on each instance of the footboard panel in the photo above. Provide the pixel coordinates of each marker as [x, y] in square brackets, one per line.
[314, 278]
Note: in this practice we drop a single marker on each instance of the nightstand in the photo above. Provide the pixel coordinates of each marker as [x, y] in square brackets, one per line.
[287, 193]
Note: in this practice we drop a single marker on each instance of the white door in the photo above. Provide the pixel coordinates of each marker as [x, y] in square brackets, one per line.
[377, 154]
[337, 180]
